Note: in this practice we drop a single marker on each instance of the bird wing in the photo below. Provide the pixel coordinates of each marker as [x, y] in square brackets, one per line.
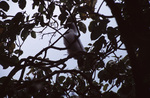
[80, 45]
[70, 39]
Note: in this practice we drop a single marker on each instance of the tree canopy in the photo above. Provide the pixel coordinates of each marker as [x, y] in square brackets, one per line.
[48, 78]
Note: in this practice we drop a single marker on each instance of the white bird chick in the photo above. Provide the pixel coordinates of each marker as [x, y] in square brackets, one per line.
[71, 40]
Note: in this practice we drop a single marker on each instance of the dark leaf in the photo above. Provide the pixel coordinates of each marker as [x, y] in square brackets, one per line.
[14, 59]
[33, 34]
[4, 5]
[35, 3]
[99, 43]
[105, 87]
[19, 52]
[91, 25]
[27, 18]
[15, 1]
[42, 21]
[95, 34]
[40, 74]
[87, 48]
[51, 9]
[67, 83]
[95, 29]
[5, 61]
[119, 81]
[40, 9]
[61, 79]
[103, 24]
[111, 32]
[11, 47]
[103, 75]
[81, 86]
[63, 16]
[24, 33]
[22, 4]
[19, 17]
[82, 27]
[100, 64]
[55, 16]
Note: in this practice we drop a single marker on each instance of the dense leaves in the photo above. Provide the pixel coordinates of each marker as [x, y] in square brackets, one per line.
[22, 4]
[102, 68]
[97, 28]
[4, 6]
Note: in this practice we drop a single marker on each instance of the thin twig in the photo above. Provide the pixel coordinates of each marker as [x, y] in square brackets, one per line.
[100, 6]
[22, 74]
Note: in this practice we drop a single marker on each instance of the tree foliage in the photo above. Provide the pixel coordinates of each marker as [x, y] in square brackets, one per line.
[96, 78]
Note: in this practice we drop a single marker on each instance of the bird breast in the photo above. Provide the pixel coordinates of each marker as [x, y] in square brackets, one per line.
[72, 42]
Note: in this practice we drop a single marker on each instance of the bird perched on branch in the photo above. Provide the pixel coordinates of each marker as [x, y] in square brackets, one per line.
[72, 41]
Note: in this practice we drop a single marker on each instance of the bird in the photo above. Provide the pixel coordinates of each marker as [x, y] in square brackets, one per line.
[72, 42]
[71, 39]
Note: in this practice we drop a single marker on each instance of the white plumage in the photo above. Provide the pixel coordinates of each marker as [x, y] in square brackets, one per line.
[71, 40]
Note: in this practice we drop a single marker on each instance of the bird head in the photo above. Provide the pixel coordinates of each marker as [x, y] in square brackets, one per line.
[70, 25]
